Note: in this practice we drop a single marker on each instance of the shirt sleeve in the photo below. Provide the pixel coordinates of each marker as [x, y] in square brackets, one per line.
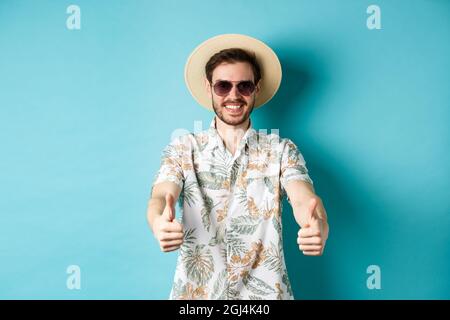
[171, 168]
[293, 165]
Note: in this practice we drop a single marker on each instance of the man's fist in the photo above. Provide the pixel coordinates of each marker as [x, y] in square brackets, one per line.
[167, 230]
[314, 233]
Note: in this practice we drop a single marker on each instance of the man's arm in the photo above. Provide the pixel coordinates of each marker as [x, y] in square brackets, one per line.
[161, 216]
[157, 202]
[311, 216]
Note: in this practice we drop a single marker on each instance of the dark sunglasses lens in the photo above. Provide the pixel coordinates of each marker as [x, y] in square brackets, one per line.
[222, 88]
[246, 88]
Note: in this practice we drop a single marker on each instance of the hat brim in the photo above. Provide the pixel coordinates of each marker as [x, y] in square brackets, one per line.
[194, 72]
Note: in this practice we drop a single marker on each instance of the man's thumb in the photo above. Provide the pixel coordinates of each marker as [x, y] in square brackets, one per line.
[312, 208]
[170, 207]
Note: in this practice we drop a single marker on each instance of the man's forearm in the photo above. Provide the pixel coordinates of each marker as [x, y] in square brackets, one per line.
[155, 209]
[157, 202]
[299, 208]
[300, 194]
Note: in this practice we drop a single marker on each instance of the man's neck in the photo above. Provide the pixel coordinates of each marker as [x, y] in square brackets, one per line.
[231, 135]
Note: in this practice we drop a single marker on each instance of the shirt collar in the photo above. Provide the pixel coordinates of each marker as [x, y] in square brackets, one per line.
[245, 139]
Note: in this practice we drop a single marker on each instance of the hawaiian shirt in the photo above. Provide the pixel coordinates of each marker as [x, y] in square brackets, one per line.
[231, 213]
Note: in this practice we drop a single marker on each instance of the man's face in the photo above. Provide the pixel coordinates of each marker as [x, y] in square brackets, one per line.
[233, 72]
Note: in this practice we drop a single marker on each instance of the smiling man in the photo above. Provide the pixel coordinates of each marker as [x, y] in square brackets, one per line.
[230, 181]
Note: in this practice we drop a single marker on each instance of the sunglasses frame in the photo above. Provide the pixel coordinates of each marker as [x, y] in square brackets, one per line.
[234, 84]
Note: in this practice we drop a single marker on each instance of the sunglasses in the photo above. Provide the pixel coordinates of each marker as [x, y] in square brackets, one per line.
[223, 87]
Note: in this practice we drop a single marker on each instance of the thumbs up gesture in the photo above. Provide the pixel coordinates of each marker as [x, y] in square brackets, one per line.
[314, 230]
[167, 230]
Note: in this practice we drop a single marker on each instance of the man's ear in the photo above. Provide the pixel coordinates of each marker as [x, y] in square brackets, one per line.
[258, 87]
[208, 87]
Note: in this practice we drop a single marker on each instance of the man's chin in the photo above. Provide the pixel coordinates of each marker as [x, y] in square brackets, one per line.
[234, 120]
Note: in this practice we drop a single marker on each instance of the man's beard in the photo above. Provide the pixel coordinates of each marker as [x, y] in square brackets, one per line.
[234, 122]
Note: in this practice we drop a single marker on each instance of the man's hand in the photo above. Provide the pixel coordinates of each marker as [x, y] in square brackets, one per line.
[167, 230]
[314, 229]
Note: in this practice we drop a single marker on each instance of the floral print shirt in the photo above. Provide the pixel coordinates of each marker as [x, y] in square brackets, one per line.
[231, 213]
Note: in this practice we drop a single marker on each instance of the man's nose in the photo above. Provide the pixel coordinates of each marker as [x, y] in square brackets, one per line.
[234, 93]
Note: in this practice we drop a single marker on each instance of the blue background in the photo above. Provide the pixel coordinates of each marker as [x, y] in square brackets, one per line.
[85, 114]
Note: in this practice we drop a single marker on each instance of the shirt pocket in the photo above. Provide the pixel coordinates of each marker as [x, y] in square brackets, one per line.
[263, 186]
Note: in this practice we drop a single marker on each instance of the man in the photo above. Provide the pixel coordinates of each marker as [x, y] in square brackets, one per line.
[230, 181]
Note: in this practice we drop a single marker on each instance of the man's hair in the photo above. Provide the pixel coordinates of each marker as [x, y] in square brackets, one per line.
[232, 55]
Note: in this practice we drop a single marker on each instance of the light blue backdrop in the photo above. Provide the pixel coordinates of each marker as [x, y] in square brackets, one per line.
[85, 114]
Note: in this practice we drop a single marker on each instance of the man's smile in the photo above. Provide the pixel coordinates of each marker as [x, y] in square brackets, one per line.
[234, 109]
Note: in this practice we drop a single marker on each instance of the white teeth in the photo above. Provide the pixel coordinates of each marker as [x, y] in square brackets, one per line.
[232, 107]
